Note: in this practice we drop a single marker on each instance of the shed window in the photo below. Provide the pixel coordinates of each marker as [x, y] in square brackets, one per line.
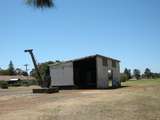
[114, 63]
[105, 62]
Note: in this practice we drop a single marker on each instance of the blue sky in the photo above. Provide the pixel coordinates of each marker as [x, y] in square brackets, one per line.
[128, 30]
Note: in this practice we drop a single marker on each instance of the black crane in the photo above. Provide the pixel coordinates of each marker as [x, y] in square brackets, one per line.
[30, 51]
[45, 84]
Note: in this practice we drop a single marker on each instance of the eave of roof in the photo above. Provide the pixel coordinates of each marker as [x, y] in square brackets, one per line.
[82, 58]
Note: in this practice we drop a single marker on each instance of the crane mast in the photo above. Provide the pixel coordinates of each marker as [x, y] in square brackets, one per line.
[30, 51]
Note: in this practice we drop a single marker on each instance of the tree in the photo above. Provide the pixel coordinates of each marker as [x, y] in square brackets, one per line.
[155, 75]
[137, 74]
[148, 73]
[18, 71]
[41, 3]
[127, 72]
[21, 72]
[123, 77]
[43, 69]
[11, 69]
[24, 73]
[33, 73]
[4, 72]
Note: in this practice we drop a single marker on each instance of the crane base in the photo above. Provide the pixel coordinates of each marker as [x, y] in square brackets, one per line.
[46, 90]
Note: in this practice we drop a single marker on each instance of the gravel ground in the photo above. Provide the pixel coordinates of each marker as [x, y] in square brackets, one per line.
[136, 102]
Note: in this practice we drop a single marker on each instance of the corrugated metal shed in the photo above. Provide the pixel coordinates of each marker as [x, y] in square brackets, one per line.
[86, 72]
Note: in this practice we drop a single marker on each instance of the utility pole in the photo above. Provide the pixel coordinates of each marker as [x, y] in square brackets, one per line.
[26, 65]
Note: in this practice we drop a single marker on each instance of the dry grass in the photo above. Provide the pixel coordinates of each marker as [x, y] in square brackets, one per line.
[139, 101]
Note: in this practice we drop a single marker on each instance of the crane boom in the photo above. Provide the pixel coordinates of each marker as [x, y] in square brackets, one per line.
[30, 51]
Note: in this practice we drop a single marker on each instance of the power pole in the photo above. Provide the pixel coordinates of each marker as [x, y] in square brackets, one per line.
[26, 65]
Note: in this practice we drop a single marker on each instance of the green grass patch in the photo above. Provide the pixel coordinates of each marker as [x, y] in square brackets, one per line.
[142, 82]
[3, 85]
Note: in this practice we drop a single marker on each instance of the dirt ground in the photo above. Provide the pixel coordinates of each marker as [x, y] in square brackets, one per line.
[134, 102]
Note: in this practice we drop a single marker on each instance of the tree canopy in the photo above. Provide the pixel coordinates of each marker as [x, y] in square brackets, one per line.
[12, 71]
[148, 73]
[127, 72]
[137, 73]
[43, 68]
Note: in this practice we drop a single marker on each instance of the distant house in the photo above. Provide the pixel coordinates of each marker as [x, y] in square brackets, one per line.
[14, 79]
[94, 71]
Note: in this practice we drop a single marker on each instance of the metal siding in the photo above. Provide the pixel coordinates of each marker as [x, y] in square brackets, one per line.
[102, 72]
[62, 75]
[102, 76]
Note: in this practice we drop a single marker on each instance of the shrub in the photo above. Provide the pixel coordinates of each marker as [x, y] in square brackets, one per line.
[4, 85]
[29, 82]
[24, 83]
[124, 77]
[17, 84]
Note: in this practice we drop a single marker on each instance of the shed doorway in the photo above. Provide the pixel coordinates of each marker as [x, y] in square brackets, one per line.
[110, 78]
[85, 75]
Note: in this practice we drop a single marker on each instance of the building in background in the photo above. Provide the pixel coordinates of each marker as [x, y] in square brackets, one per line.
[15, 78]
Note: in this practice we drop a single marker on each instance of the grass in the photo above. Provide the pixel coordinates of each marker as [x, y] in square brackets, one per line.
[143, 82]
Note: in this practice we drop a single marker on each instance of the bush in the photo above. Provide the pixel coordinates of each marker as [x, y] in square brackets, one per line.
[24, 83]
[123, 78]
[17, 84]
[29, 82]
[3, 84]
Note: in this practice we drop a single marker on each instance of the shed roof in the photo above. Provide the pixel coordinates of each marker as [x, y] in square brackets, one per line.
[82, 58]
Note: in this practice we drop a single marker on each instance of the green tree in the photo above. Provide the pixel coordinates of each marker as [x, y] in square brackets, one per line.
[123, 77]
[41, 3]
[148, 73]
[24, 73]
[11, 69]
[137, 73]
[155, 75]
[127, 72]
[43, 69]
[4, 72]
[19, 71]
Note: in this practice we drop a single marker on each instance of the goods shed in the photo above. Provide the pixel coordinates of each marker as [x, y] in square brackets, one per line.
[94, 71]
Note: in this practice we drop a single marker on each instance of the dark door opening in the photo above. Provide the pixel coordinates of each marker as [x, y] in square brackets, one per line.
[110, 78]
[85, 75]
